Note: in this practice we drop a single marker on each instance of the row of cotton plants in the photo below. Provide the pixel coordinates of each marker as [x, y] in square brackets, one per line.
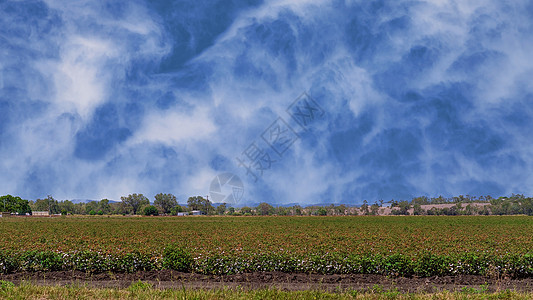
[176, 258]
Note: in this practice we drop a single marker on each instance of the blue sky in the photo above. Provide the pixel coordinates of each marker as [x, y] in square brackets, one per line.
[397, 98]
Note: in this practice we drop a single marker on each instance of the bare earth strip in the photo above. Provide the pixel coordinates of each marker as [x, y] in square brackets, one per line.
[284, 281]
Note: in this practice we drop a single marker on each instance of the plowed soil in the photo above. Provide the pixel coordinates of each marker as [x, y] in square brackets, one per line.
[284, 281]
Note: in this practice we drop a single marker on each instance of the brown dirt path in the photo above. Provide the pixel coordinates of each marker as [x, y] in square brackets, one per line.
[284, 281]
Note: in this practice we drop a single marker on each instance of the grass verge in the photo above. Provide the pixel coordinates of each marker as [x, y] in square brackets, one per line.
[140, 290]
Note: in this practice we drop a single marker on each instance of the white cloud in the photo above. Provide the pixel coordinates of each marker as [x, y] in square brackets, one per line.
[173, 127]
[199, 182]
[81, 82]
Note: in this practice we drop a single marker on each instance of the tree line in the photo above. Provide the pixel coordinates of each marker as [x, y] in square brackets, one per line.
[167, 204]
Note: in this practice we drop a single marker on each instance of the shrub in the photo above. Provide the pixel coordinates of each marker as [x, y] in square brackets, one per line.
[398, 264]
[41, 261]
[177, 258]
[87, 261]
[430, 264]
[150, 211]
[137, 261]
[8, 263]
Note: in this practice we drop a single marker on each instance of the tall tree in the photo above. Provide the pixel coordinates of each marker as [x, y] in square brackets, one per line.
[221, 209]
[364, 207]
[404, 207]
[374, 209]
[10, 203]
[135, 201]
[49, 204]
[165, 201]
[104, 206]
[297, 210]
[67, 207]
[201, 204]
[265, 209]
[91, 208]
[246, 210]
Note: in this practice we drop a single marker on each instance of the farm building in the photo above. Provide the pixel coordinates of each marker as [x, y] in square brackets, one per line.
[40, 213]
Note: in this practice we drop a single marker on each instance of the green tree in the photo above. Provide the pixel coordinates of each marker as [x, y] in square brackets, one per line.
[79, 208]
[374, 209]
[265, 209]
[246, 210]
[104, 206]
[417, 210]
[176, 209]
[469, 210]
[340, 210]
[14, 204]
[6, 201]
[282, 211]
[527, 206]
[297, 210]
[404, 207]
[321, 211]
[91, 206]
[438, 200]
[49, 204]
[485, 210]
[201, 204]
[150, 210]
[364, 207]
[118, 208]
[221, 209]
[67, 207]
[420, 200]
[135, 201]
[165, 201]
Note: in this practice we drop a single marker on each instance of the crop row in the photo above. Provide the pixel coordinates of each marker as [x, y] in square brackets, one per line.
[208, 236]
[330, 263]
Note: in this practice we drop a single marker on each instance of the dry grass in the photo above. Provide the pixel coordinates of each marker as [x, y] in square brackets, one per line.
[140, 290]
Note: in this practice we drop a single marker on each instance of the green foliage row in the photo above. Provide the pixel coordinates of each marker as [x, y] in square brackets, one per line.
[176, 258]
[394, 265]
[90, 262]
